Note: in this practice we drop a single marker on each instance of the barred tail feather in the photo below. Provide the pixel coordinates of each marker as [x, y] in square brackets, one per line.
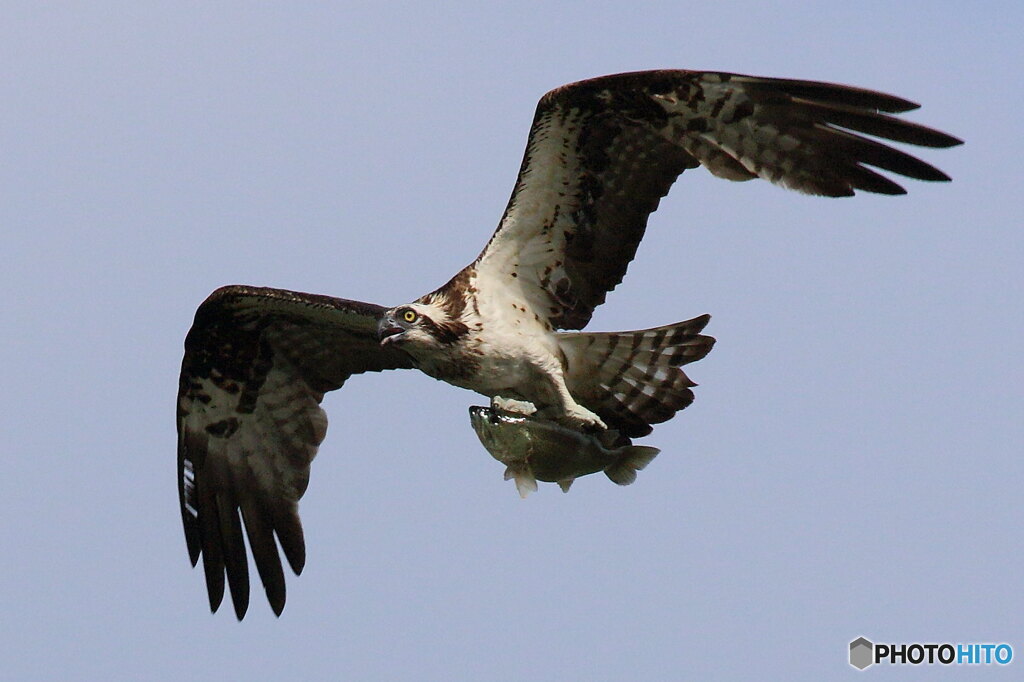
[633, 379]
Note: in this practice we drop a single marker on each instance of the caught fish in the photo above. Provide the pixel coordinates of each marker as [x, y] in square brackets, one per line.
[535, 449]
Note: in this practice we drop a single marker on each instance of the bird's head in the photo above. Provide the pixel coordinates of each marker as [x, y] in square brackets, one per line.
[418, 327]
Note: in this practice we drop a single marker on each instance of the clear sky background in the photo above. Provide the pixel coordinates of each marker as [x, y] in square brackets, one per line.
[851, 466]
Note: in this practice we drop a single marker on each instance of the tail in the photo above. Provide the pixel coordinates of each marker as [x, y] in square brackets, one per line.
[632, 379]
[633, 459]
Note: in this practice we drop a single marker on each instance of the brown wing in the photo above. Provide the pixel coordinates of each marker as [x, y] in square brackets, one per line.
[257, 364]
[602, 153]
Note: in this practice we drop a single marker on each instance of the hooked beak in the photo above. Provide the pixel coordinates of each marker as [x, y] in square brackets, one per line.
[388, 330]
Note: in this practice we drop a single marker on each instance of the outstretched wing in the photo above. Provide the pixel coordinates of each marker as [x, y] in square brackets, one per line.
[602, 153]
[257, 364]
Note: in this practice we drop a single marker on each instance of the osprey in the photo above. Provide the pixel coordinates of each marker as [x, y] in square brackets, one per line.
[600, 155]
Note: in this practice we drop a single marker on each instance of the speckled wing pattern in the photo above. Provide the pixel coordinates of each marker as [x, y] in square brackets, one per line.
[257, 364]
[602, 152]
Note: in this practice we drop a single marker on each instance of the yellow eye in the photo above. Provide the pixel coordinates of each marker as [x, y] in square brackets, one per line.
[409, 315]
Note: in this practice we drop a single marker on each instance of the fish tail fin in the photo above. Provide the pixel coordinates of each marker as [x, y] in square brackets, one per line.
[631, 459]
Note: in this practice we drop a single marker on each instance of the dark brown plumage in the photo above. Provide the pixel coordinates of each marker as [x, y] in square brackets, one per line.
[257, 363]
[617, 143]
[600, 155]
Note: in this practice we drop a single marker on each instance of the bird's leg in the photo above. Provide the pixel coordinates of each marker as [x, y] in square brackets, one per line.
[552, 401]
[574, 415]
[578, 417]
[524, 407]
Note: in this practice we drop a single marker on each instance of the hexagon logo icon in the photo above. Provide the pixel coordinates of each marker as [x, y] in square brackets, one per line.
[861, 653]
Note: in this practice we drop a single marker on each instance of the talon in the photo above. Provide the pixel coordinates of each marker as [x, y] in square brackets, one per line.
[583, 419]
[524, 407]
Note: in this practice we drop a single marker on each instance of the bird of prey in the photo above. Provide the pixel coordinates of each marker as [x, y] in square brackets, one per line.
[600, 155]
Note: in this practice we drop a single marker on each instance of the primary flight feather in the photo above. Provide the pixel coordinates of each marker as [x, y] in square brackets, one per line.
[600, 155]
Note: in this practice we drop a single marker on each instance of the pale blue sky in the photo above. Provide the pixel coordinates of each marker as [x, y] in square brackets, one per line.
[851, 466]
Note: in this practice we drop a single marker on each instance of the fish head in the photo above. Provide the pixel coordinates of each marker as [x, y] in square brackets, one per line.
[503, 434]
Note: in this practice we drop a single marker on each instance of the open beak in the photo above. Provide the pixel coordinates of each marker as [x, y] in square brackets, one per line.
[388, 331]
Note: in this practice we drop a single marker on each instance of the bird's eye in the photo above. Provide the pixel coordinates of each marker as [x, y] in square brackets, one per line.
[409, 315]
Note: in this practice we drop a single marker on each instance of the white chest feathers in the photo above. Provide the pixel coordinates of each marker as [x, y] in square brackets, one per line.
[508, 350]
